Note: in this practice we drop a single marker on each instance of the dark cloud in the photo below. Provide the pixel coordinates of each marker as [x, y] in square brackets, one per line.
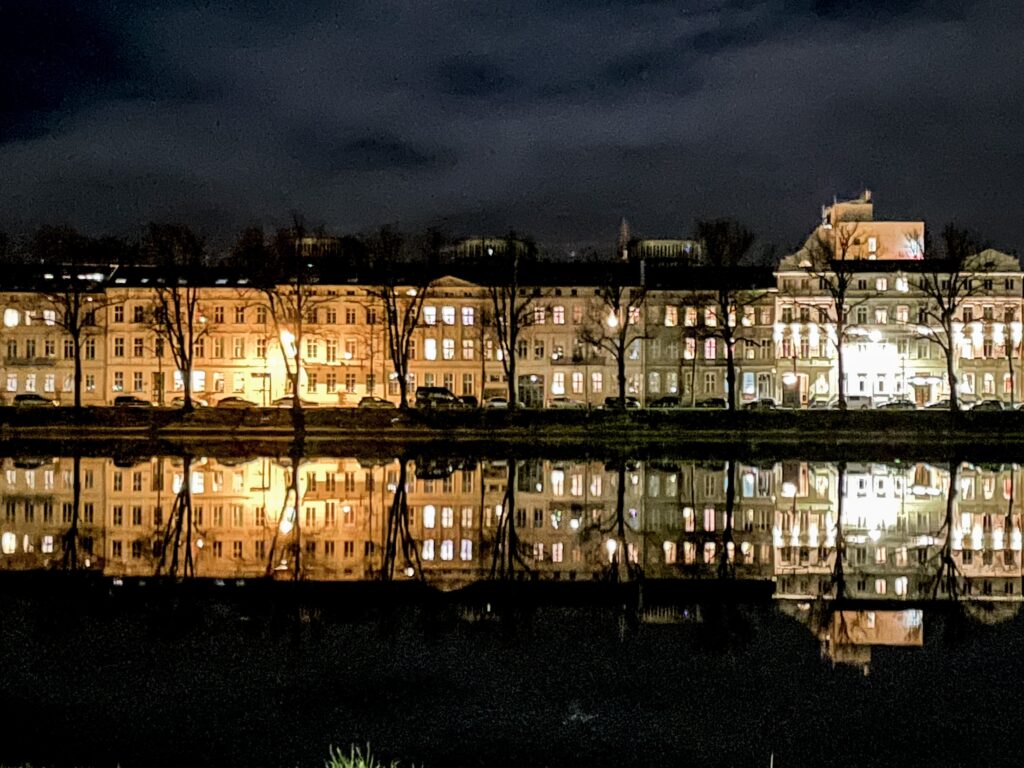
[552, 118]
[474, 76]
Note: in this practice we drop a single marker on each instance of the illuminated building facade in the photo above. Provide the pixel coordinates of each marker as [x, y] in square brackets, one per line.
[782, 322]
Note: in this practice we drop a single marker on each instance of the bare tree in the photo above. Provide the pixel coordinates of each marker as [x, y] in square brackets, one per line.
[75, 295]
[725, 245]
[827, 257]
[514, 307]
[615, 321]
[69, 558]
[948, 577]
[952, 280]
[289, 286]
[177, 316]
[399, 289]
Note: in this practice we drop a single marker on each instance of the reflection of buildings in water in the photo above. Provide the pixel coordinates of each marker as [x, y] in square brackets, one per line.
[673, 521]
[895, 531]
[847, 637]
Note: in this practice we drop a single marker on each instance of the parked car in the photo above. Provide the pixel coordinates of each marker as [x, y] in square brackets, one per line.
[498, 403]
[938, 404]
[629, 403]
[469, 401]
[235, 402]
[197, 402]
[565, 404]
[898, 405]
[761, 404]
[990, 405]
[288, 401]
[131, 401]
[822, 404]
[432, 397]
[669, 401]
[371, 401]
[711, 402]
[32, 400]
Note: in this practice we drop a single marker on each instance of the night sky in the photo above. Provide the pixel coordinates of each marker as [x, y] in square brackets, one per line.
[555, 118]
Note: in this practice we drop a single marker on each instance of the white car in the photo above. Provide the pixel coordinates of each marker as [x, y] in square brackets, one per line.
[565, 404]
[497, 402]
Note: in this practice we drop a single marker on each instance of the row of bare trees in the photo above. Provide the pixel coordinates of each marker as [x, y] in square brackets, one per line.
[401, 270]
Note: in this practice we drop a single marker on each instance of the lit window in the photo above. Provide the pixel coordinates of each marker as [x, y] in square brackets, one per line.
[467, 315]
[11, 317]
[448, 315]
[558, 383]
[881, 284]
[448, 349]
[428, 549]
[558, 315]
[429, 514]
[430, 315]
[466, 549]
[430, 349]
[447, 549]
[671, 317]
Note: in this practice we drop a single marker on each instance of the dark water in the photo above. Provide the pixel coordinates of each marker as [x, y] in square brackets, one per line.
[455, 610]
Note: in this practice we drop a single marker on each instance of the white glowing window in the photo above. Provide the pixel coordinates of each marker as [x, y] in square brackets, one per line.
[671, 317]
[670, 552]
[447, 549]
[429, 515]
[430, 315]
[538, 551]
[709, 317]
[881, 284]
[557, 482]
[873, 248]
[447, 517]
[880, 586]
[558, 383]
[11, 317]
[428, 549]
[198, 482]
[430, 349]
[448, 315]
[558, 315]
[466, 549]
[12, 382]
[468, 315]
[47, 545]
[448, 349]
[8, 543]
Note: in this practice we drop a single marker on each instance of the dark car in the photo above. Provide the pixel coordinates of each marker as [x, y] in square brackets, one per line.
[434, 397]
[32, 400]
[990, 405]
[131, 401]
[288, 401]
[470, 401]
[711, 402]
[761, 404]
[669, 401]
[630, 403]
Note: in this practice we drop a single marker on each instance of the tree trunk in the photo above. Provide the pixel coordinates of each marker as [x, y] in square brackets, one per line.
[954, 404]
[730, 369]
[840, 364]
[76, 340]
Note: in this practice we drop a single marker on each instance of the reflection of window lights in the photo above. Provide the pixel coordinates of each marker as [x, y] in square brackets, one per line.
[428, 549]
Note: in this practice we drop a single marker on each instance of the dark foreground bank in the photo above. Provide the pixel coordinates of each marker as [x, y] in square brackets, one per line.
[96, 674]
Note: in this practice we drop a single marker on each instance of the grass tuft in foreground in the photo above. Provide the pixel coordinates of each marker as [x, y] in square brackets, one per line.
[356, 759]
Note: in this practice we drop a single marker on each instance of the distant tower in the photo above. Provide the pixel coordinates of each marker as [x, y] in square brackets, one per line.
[623, 241]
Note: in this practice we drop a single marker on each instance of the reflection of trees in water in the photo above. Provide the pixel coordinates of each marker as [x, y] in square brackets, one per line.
[398, 539]
[727, 558]
[947, 577]
[612, 534]
[508, 557]
[838, 579]
[69, 541]
[289, 524]
[177, 533]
